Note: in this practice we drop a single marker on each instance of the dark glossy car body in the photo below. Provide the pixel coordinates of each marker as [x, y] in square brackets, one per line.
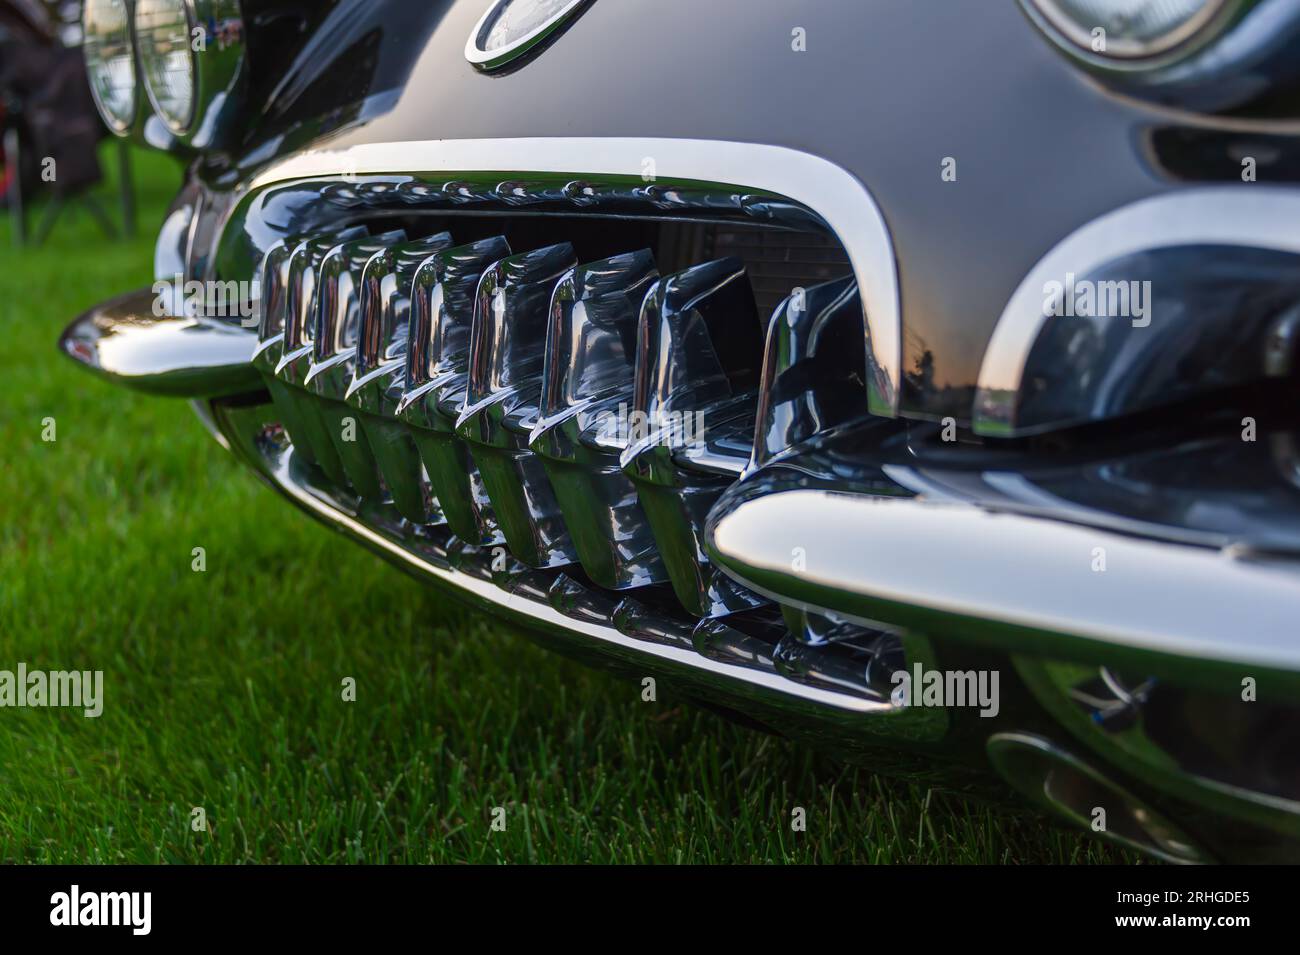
[853, 213]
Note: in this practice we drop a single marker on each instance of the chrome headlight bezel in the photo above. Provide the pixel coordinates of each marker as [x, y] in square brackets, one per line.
[1177, 46]
[216, 71]
[1076, 39]
[1234, 52]
[118, 124]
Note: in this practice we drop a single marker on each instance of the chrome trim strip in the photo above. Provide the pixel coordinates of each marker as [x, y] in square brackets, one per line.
[1251, 216]
[1011, 580]
[831, 191]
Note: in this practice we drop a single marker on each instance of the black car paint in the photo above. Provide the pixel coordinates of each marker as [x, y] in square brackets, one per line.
[887, 89]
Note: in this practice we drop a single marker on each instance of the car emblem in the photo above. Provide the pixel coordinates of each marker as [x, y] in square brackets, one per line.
[511, 28]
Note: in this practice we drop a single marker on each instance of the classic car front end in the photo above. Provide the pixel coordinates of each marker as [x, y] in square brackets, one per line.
[916, 380]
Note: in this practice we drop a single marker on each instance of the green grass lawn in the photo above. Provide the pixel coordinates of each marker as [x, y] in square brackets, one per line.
[222, 688]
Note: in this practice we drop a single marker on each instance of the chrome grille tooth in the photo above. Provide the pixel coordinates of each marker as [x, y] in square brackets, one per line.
[442, 310]
[813, 381]
[381, 337]
[272, 310]
[286, 382]
[586, 400]
[271, 304]
[699, 354]
[724, 642]
[503, 399]
[315, 368]
[334, 329]
[508, 337]
[376, 377]
[302, 298]
[338, 311]
[814, 365]
[437, 376]
[580, 602]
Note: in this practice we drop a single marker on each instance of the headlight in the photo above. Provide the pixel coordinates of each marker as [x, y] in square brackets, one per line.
[1126, 29]
[192, 60]
[163, 33]
[110, 65]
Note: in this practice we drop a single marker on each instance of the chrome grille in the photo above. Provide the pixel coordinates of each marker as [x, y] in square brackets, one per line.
[586, 415]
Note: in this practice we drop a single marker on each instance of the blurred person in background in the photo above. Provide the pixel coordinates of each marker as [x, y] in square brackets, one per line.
[46, 102]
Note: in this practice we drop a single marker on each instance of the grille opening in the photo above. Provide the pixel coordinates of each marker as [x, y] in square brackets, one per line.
[727, 257]
[692, 350]
[777, 260]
